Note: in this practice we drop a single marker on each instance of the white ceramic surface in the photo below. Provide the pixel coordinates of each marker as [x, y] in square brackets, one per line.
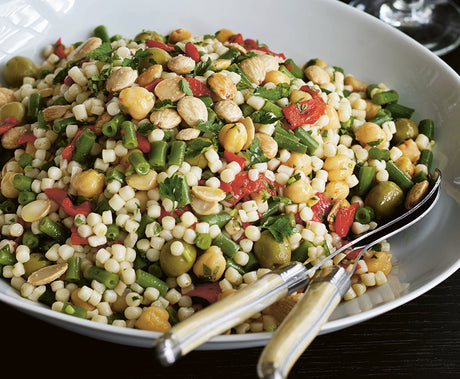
[426, 254]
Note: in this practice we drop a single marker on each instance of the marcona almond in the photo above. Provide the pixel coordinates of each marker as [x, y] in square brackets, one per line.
[269, 62]
[180, 34]
[36, 210]
[85, 48]
[122, 78]
[204, 208]
[167, 118]
[268, 145]
[250, 130]
[10, 138]
[181, 64]
[228, 110]
[254, 69]
[149, 75]
[168, 89]
[47, 274]
[222, 86]
[55, 111]
[142, 182]
[188, 134]
[206, 193]
[192, 109]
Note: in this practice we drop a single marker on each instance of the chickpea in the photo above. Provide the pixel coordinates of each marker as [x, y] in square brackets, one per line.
[155, 319]
[410, 149]
[317, 75]
[210, 265]
[224, 34]
[268, 145]
[299, 191]
[334, 122]
[297, 96]
[6, 186]
[276, 77]
[89, 183]
[370, 133]
[137, 102]
[180, 34]
[232, 137]
[6, 96]
[379, 261]
[339, 167]
[356, 84]
[337, 190]
[301, 162]
[406, 166]
[371, 109]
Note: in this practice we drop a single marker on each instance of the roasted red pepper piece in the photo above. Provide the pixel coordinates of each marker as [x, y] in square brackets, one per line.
[60, 196]
[151, 86]
[143, 143]
[56, 194]
[236, 38]
[207, 291]
[243, 186]
[305, 112]
[28, 137]
[7, 123]
[250, 44]
[232, 157]
[68, 81]
[59, 49]
[344, 218]
[75, 238]
[192, 51]
[161, 45]
[68, 150]
[321, 208]
[198, 88]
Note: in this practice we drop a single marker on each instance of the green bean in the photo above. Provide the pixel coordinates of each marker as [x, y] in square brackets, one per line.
[365, 176]
[114, 174]
[400, 111]
[247, 109]
[109, 279]
[59, 126]
[74, 310]
[295, 70]
[73, 273]
[426, 127]
[158, 155]
[129, 138]
[398, 176]
[219, 219]
[25, 197]
[364, 215]
[155, 270]
[228, 247]
[307, 140]
[419, 177]
[273, 108]
[48, 297]
[141, 166]
[203, 241]
[145, 219]
[370, 88]
[233, 264]
[25, 159]
[101, 32]
[385, 97]
[113, 232]
[252, 262]
[288, 73]
[287, 140]
[145, 279]
[177, 153]
[110, 128]
[8, 206]
[30, 240]
[22, 182]
[426, 158]
[41, 123]
[301, 253]
[34, 105]
[6, 256]
[381, 116]
[57, 232]
[84, 145]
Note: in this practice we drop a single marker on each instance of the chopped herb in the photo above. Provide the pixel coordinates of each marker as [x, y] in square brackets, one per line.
[163, 104]
[103, 53]
[273, 94]
[176, 188]
[280, 226]
[196, 147]
[60, 76]
[97, 82]
[263, 117]
[209, 126]
[255, 153]
[185, 87]
[201, 67]
[134, 61]
[145, 128]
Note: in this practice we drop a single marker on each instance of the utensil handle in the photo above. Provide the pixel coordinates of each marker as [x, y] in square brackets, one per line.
[228, 312]
[302, 324]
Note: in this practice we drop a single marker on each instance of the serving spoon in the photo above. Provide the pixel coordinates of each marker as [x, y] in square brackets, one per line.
[321, 297]
[251, 299]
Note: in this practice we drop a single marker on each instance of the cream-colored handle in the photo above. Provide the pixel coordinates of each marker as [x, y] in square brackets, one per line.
[302, 324]
[228, 312]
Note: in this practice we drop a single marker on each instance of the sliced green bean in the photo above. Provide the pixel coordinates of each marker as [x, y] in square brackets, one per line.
[109, 279]
[177, 153]
[426, 127]
[158, 155]
[365, 176]
[385, 97]
[398, 176]
[140, 165]
[228, 247]
[59, 126]
[129, 138]
[203, 241]
[34, 105]
[233, 264]
[110, 128]
[114, 174]
[364, 215]
[219, 219]
[57, 232]
[101, 32]
[24, 160]
[400, 111]
[380, 154]
[113, 232]
[6, 256]
[301, 253]
[145, 279]
[30, 240]
[307, 140]
[73, 273]
[22, 182]
[426, 158]
[25, 197]
[83, 145]
[74, 310]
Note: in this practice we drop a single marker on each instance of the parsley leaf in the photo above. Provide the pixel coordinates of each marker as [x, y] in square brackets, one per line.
[103, 53]
[196, 147]
[244, 83]
[176, 188]
[163, 104]
[134, 61]
[280, 226]
[255, 153]
[60, 76]
[145, 128]
[202, 67]
[185, 87]
[209, 126]
[97, 82]
[263, 117]
[273, 94]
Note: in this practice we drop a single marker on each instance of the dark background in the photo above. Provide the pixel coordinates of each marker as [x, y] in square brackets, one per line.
[418, 339]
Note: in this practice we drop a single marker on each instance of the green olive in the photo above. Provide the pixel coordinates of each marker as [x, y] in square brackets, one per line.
[270, 252]
[15, 109]
[405, 129]
[175, 265]
[385, 199]
[17, 68]
[147, 34]
[158, 55]
[36, 262]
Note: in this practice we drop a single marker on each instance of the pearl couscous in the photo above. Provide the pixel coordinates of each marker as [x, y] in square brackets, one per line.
[144, 178]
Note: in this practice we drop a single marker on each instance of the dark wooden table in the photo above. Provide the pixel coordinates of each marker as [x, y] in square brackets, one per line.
[419, 339]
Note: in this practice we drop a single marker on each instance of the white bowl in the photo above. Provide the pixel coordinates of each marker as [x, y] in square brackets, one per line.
[426, 254]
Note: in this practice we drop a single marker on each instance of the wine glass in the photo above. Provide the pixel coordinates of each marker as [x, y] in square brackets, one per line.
[433, 23]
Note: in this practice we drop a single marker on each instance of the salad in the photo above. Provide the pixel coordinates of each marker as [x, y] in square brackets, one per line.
[145, 178]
